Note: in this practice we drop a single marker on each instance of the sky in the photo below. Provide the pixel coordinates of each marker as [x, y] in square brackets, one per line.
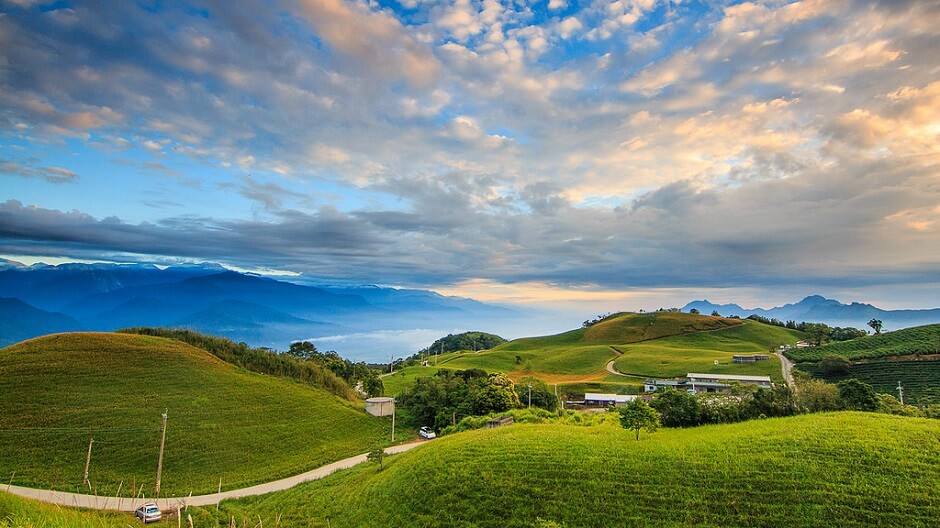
[596, 155]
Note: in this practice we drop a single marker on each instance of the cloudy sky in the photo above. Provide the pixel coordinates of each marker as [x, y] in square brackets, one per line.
[622, 154]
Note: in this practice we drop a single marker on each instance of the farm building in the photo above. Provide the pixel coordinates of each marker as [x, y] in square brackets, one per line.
[593, 399]
[707, 383]
[749, 358]
[380, 406]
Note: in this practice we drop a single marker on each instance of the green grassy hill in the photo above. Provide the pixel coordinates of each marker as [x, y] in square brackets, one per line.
[920, 340]
[224, 422]
[840, 470]
[843, 469]
[678, 355]
[657, 344]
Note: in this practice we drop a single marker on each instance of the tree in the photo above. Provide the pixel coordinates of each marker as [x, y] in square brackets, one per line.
[876, 325]
[694, 311]
[373, 386]
[303, 350]
[677, 409]
[857, 395]
[542, 396]
[818, 396]
[833, 365]
[637, 415]
[715, 313]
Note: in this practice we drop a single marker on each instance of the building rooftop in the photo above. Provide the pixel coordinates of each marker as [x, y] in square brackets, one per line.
[729, 377]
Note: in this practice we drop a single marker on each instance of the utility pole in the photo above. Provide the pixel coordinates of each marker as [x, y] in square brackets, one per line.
[530, 394]
[393, 420]
[87, 463]
[900, 392]
[160, 458]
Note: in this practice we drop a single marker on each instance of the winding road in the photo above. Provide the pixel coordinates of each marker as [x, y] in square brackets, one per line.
[128, 504]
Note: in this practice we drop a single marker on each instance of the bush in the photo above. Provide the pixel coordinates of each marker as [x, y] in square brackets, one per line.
[833, 365]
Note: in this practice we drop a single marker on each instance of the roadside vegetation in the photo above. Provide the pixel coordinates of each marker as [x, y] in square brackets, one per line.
[224, 422]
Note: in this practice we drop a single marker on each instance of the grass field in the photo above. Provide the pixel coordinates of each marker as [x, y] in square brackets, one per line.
[844, 469]
[678, 355]
[826, 470]
[61, 391]
[657, 344]
[920, 340]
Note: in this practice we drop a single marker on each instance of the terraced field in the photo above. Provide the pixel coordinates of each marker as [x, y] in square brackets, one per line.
[920, 340]
[224, 423]
[920, 378]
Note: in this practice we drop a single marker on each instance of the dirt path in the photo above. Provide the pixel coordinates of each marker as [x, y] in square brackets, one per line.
[610, 364]
[128, 504]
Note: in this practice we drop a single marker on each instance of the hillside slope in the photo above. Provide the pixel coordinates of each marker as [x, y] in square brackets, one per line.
[652, 344]
[919, 340]
[60, 391]
[844, 469]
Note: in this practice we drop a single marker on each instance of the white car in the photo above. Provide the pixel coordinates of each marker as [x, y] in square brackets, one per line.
[148, 513]
[426, 432]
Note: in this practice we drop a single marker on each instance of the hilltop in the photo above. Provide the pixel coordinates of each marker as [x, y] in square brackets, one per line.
[62, 390]
[640, 345]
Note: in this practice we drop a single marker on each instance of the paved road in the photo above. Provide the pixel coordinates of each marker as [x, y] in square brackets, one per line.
[787, 367]
[170, 503]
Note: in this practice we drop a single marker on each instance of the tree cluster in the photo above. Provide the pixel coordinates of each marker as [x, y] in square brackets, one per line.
[591, 322]
[466, 341]
[449, 395]
[351, 373]
[681, 409]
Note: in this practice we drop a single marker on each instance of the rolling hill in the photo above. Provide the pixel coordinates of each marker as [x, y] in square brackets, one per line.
[816, 470]
[910, 357]
[655, 344]
[828, 470]
[61, 391]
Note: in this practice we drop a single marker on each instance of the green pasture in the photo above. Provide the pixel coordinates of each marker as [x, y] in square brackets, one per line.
[829, 470]
[678, 355]
[224, 422]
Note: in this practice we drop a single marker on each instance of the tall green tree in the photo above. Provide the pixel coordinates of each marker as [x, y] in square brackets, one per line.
[876, 325]
[678, 408]
[303, 350]
[857, 395]
[637, 415]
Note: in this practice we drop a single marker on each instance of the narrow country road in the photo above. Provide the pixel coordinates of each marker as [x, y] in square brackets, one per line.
[787, 367]
[610, 364]
[128, 504]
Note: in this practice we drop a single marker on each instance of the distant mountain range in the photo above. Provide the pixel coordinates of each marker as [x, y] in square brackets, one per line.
[42, 299]
[818, 309]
